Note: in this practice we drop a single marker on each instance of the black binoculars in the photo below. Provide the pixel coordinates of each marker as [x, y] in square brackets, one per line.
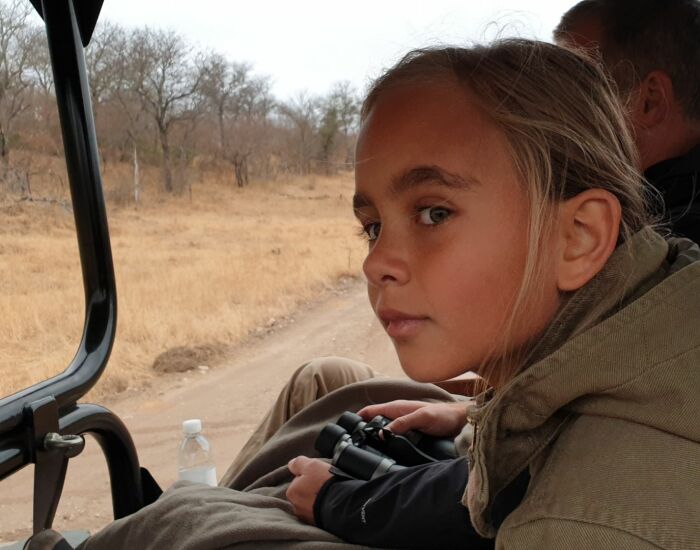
[366, 450]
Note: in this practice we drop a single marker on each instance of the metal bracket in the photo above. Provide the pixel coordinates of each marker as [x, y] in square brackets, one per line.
[50, 452]
[68, 445]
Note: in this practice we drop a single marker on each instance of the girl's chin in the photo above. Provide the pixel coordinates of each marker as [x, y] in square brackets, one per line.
[425, 371]
[424, 368]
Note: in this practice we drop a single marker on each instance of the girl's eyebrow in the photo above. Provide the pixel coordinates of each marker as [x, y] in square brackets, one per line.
[421, 175]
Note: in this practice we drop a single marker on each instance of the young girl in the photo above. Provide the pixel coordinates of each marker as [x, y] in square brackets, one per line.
[507, 235]
[506, 226]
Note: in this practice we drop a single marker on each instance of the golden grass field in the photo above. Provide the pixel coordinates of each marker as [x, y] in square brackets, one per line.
[201, 270]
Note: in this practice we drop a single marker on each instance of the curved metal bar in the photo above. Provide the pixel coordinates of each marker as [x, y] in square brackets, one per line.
[11, 459]
[82, 161]
[118, 448]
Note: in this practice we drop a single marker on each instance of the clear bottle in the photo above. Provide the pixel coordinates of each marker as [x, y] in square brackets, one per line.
[195, 459]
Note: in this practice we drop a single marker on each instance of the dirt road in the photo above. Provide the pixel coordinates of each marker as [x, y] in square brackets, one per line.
[230, 400]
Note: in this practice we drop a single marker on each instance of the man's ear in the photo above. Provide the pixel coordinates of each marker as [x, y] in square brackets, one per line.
[588, 225]
[652, 101]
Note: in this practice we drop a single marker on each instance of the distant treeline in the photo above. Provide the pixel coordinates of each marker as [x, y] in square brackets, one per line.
[160, 101]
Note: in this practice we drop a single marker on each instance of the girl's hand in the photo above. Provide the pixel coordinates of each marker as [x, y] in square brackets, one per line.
[311, 474]
[438, 419]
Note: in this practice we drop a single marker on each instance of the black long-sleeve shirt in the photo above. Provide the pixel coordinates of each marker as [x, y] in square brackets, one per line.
[678, 181]
[418, 507]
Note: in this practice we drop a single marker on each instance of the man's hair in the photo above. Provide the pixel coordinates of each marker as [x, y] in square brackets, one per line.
[639, 36]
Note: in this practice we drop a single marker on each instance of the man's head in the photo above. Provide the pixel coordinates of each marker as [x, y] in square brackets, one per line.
[652, 50]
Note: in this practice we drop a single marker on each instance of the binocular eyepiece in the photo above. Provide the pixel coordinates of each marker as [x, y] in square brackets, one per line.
[365, 450]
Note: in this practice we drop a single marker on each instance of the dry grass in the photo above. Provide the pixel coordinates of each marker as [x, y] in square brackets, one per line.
[199, 271]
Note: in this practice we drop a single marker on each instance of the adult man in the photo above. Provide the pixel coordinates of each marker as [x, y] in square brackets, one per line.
[652, 49]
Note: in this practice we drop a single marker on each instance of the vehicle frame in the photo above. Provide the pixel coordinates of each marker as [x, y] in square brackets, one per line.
[44, 424]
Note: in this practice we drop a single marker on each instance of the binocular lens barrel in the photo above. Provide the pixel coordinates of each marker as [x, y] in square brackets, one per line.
[351, 421]
[334, 442]
[363, 464]
[329, 437]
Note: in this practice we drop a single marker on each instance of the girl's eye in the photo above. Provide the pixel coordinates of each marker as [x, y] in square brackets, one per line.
[433, 215]
[371, 230]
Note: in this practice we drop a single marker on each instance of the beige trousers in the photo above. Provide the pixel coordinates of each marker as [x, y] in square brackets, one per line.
[309, 382]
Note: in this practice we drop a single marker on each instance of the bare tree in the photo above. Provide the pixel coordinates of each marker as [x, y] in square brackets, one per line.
[165, 80]
[221, 81]
[338, 125]
[16, 36]
[346, 103]
[41, 125]
[132, 115]
[240, 104]
[302, 113]
[133, 126]
[103, 58]
[328, 131]
[40, 69]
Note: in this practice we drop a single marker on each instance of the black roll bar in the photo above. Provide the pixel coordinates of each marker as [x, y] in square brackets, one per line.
[82, 161]
[27, 416]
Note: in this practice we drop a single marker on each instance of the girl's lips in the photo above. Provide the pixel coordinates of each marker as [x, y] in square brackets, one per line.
[403, 328]
[400, 325]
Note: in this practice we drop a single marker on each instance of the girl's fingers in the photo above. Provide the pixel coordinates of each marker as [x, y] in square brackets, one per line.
[411, 421]
[438, 420]
[309, 476]
[393, 409]
[296, 465]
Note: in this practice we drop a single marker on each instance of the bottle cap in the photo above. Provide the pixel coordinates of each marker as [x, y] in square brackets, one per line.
[193, 426]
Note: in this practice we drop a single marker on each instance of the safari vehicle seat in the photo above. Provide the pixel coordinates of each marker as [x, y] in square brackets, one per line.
[49, 539]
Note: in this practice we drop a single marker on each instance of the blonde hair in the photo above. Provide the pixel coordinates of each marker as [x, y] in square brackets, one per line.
[567, 133]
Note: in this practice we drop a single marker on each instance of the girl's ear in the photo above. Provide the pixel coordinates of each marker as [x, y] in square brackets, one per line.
[588, 228]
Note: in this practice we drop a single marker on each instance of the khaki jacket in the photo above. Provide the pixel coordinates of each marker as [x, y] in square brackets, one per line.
[608, 422]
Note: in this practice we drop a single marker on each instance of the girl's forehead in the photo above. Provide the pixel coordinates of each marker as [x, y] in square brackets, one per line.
[418, 100]
[432, 139]
[424, 115]
[428, 125]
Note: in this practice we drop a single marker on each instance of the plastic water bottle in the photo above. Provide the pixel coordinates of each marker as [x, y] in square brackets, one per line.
[195, 459]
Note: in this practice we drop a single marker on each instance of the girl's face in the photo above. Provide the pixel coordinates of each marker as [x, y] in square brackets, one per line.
[446, 219]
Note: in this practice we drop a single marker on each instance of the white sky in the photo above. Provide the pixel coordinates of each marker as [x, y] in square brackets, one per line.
[309, 44]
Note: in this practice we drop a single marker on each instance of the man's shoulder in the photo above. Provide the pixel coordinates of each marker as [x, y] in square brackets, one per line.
[605, 475]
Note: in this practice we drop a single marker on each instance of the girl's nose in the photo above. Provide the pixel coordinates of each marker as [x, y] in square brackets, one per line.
[385, 265]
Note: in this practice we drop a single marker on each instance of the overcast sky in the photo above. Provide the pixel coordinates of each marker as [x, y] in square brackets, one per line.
[309, 44]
